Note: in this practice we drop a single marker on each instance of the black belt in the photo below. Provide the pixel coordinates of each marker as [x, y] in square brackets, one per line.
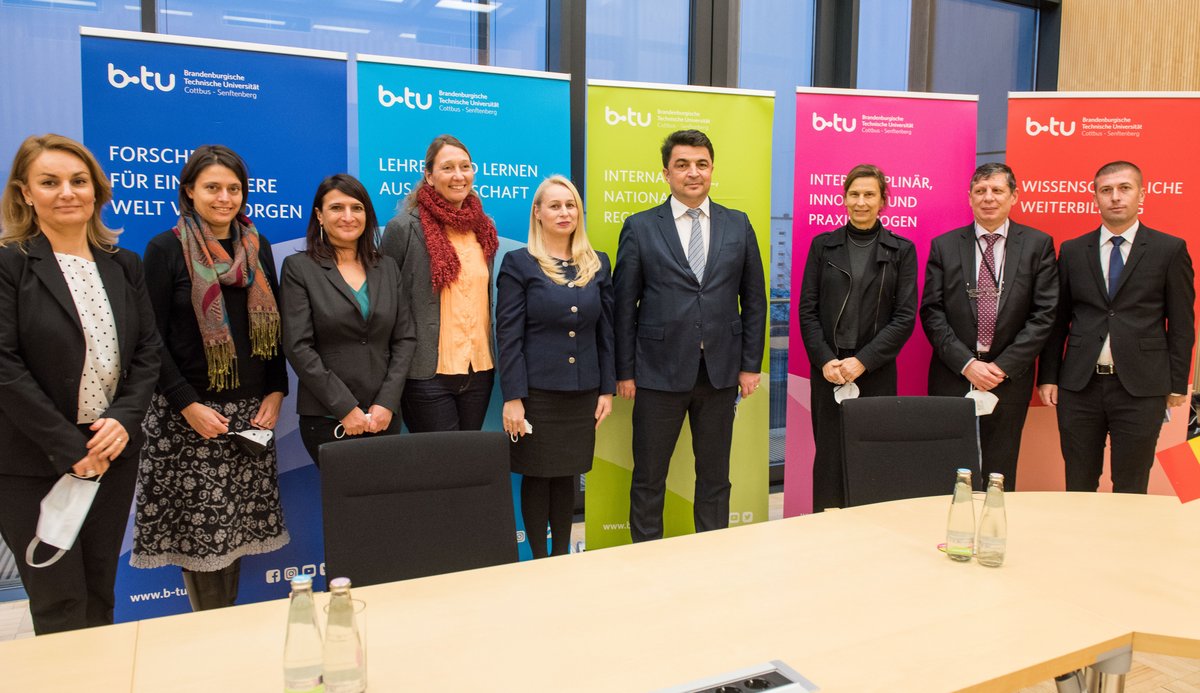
[981, 356]
[1106, 369]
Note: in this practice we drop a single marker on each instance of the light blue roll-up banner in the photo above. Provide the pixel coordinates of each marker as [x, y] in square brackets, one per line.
[515, 123]
[148, 101]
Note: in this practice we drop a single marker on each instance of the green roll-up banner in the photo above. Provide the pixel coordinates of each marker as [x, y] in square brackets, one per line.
[626, 125]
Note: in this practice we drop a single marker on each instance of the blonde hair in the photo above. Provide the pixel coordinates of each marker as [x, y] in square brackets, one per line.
[583, 256]
[20, 222]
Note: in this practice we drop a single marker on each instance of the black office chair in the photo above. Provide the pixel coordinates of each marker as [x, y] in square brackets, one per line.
[411, 505]
[906, 447]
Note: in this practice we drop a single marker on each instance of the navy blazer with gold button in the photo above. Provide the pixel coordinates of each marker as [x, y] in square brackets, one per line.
[553, 336]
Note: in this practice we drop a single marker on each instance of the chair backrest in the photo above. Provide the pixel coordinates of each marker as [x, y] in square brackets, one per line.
[906, 447]
[410, 505]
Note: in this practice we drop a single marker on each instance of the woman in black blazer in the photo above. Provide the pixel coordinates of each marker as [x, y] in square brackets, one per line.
[78, 363]
[555, 331]
[857, 308]
[347, 329]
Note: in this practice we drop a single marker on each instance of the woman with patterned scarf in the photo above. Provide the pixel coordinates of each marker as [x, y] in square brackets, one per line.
[203, 502]
[446, 248]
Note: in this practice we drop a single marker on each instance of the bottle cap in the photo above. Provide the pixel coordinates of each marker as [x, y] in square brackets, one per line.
[996, 476]
[302, 581]
[339, 584]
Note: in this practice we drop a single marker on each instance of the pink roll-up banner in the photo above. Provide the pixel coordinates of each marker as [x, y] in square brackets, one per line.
[925, 144]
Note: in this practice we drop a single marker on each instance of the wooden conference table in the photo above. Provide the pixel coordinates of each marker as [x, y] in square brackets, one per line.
[855, 600]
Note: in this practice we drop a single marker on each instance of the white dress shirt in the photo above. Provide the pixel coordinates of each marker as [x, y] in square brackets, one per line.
[1106, 247]
[998, 258]
[683, 223]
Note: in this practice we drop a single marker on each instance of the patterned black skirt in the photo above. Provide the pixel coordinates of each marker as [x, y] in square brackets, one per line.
[201, 504]
[564, 434]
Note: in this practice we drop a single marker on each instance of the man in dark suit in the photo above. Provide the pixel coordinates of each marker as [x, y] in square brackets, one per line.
[684, 268]
[991, 289]
[1127, 320]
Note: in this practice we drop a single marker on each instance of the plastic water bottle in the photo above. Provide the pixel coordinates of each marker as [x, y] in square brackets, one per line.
[343, 647]
[960, 527]
[993, 525]
[302, 650]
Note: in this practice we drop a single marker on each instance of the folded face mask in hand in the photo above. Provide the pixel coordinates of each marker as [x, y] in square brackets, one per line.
[844, 392]
[252, 441]
[63, 511]
[985, 402]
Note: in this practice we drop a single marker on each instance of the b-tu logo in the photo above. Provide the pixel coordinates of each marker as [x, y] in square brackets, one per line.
[634, 118]
[121, 79]
[838, 123]
[410, 99]
[1056, 127]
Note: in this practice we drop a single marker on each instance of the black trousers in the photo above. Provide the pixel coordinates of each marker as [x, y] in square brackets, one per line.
[447, 402]
[1000, 431]
[77, 591]
[829, 475]
[1104, 409]
[657, 420]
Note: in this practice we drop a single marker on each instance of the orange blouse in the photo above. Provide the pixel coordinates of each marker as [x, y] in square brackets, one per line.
[465, 339]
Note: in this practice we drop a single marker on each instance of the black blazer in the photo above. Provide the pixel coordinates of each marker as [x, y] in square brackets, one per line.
[886, 319]
[1151, 318]
[343, 361]
[1025, 313]
[41, 358]
[553, 337]
[663, 313]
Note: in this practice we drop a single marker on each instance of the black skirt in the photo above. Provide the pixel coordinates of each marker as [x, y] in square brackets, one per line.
[564, 434]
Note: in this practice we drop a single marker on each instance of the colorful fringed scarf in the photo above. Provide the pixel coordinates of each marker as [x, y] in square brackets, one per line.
[210, 268]
[436, 216]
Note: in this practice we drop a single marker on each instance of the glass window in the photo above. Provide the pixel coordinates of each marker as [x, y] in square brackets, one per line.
[39, 49]
[883, 31]
[638, 41]
[999, 41]
[776, 52]
[518, 35]
[384, 27]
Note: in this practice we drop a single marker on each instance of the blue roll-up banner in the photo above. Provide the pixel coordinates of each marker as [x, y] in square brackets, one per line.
[516, 124]
[148, 101]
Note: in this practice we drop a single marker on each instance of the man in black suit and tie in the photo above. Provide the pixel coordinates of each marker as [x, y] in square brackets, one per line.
[991, 289]
[690, 322]
[1127, 320]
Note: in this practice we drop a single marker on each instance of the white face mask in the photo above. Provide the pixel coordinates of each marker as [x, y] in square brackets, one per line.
[985, 402]
[62, 515]
[844, 392]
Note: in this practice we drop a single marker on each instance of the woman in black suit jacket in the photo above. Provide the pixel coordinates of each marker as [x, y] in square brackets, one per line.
[347, 330]
[78, 362]
[857, 308]
[555, 330]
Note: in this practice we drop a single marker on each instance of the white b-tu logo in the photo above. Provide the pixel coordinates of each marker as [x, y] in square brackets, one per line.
[121, 79]
[838, 123]
[410, 99]
[634, 118]
[1056, 127]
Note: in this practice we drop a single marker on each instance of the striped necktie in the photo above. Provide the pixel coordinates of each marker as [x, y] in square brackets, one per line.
[695, 252]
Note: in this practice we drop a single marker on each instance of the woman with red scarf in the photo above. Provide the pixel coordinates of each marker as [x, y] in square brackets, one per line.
[446, 248]
[203, 502]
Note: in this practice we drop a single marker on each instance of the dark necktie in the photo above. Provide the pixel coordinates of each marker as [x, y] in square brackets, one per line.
[1116, 264]
[988, 293]
[695, 253]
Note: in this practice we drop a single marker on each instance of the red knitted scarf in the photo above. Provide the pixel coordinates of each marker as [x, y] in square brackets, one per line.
[436, 216]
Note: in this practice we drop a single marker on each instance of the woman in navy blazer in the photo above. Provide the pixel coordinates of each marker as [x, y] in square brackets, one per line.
[347, 331]
[554, 328]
